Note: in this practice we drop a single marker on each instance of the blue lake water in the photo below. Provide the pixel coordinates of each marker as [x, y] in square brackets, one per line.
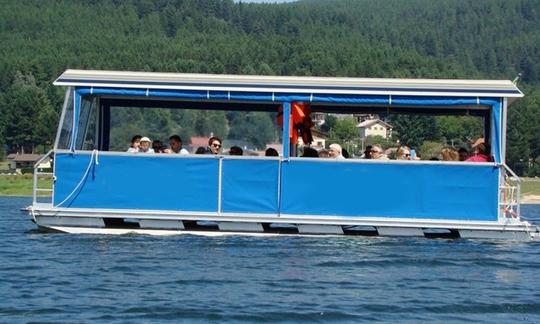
[137, 278]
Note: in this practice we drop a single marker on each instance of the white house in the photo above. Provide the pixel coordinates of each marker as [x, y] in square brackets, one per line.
[374, 127]
[17, 162]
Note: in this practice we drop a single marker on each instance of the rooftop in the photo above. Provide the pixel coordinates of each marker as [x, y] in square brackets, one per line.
[24, 157]
[289, 84]
[369, 122]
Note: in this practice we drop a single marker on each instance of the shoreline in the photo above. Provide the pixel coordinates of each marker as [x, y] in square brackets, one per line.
[530, 200]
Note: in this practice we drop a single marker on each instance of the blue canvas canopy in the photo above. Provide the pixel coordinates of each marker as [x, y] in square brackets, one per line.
[340, 93]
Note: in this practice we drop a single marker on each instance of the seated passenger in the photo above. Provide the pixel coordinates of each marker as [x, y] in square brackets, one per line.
[310, 152]
[157, 146]
[271, 152]
[324, 153]
[481, 153]
[145, 146]
[367, 152]
[175, 144]
[214, 145]
[403, 153]
[135, 143]
[202, 150]
[236, 150]
[449, 154]
[345, 153]
[463, 154]
[335, 152]
[377, 153]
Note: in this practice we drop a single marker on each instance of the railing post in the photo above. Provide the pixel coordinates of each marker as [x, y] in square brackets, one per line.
[507, 189]
[34, 189]
[36, 179]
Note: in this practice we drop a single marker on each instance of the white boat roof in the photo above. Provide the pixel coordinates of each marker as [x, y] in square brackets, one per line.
[289, 84]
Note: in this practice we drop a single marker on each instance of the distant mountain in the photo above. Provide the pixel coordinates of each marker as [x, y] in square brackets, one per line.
[362, 38]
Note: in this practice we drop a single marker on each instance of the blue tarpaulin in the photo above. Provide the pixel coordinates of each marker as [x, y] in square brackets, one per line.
[289, 186]
[427, 191]
[424, 191]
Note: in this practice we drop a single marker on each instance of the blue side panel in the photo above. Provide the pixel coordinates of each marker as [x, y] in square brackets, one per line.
[137, 182]
[390, 190]
[250, 186]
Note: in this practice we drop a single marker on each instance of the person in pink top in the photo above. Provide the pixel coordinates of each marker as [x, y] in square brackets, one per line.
[481, 153]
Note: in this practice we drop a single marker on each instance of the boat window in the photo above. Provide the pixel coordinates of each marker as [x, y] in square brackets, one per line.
[67, 124]
[253, 127]
[86, 135]
[252, 131]
[86, 127]
[426, 131]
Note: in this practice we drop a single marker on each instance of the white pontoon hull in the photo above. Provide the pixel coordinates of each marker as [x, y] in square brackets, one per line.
[100, 221]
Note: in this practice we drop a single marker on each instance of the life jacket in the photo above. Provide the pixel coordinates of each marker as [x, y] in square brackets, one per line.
[300, 122]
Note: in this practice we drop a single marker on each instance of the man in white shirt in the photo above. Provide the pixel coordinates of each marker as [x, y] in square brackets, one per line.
[175, 143]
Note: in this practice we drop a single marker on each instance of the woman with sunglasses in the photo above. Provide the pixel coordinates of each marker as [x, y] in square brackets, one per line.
[377, 153]
[403, 153]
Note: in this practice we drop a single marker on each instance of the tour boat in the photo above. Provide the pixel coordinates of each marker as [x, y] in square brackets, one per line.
[97, 190]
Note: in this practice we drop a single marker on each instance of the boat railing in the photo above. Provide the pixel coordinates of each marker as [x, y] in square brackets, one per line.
[510, 192]
[39, 175]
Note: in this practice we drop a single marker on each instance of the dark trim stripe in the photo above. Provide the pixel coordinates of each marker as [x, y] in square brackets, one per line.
[295, 87]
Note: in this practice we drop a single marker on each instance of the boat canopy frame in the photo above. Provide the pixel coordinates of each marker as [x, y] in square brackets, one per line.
[398, 95]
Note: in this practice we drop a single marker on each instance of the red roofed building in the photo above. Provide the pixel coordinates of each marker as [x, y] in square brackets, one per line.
[197, 141]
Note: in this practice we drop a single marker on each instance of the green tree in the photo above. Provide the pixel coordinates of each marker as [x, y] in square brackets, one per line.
[329, 123]
[412, 130]
[209, 123]
[3, 121]
[458, 130]
[257, 128]
[426, 39]
[29, 116]
[430, 149]
[344, 131]
[523, 144]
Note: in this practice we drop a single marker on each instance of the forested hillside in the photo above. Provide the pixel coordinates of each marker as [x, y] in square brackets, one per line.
[361, 38]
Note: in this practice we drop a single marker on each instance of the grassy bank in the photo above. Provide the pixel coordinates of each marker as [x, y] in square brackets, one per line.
[530, 186]
[4, 165]
[21, 185]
